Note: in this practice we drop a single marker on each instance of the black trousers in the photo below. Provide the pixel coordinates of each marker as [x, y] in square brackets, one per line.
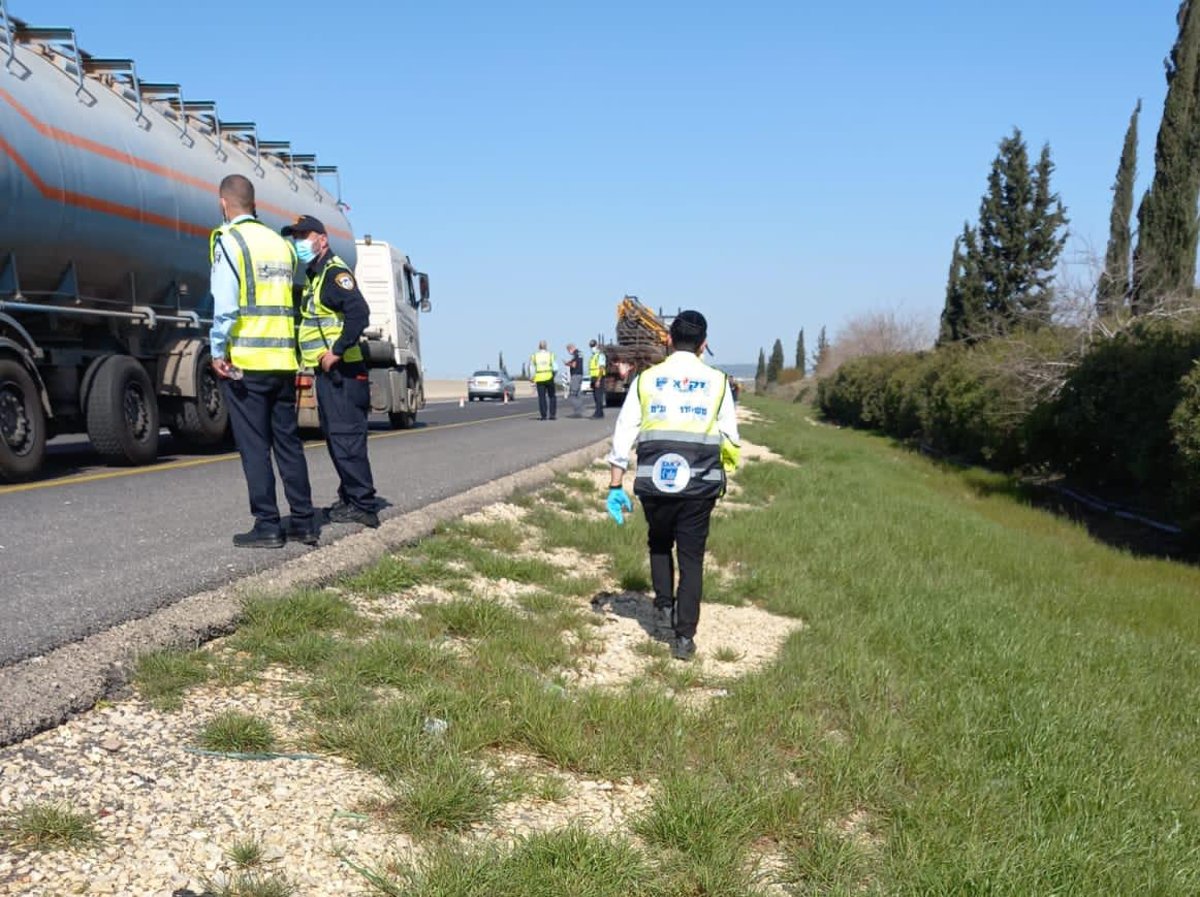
[598, 395]
[546, 393]
[342, 409]
[681, 523]
[262, 412]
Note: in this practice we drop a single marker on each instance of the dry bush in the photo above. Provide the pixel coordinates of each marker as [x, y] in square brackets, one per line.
[887, 332]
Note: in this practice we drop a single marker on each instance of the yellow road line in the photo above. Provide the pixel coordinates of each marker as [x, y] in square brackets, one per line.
[228, 456]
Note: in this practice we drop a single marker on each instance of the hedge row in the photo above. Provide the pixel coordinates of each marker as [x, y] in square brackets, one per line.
[1128, 414]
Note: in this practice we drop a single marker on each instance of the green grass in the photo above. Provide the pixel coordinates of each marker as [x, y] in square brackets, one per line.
[163, 676]
[250, 884]
[569, 862]
[246, 854]
[984, 700]
[47, 826]
[233, 731]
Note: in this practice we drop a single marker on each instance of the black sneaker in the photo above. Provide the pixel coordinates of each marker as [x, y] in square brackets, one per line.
[684, 649]
[353, 514]
[309, 534]
[260, 537]
[665, 617]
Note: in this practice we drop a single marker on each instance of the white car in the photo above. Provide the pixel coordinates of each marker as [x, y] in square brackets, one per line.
[491, 385]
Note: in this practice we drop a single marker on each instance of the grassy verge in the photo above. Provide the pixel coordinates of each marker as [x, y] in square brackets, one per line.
[985, 700]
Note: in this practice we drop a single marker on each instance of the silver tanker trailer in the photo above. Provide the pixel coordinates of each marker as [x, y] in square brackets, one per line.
[107, 198]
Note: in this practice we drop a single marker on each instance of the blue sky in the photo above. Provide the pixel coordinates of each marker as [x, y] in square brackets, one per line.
[775, 165]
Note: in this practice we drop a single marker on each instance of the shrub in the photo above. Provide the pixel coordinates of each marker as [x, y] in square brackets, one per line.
[1112, 422]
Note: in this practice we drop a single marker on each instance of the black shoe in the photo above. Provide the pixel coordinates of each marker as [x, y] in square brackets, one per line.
[353, 514]
[260, 537]
[665, 617]
[309, 534]
[598, 414]
[684, 648]
[553, 418]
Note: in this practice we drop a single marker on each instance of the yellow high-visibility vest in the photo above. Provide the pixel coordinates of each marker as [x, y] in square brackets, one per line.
[543, 365]
[321, 326]
[597, 365]
[679, 447]
[263, 338]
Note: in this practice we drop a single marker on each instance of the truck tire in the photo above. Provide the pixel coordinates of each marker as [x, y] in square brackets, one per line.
[22, 422]
[122, 412]
[202, 421]
[403, 420]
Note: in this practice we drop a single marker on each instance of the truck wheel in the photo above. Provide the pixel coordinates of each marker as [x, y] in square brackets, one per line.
[22, 422]
[122, 412]
[204, 420]
[403, 420]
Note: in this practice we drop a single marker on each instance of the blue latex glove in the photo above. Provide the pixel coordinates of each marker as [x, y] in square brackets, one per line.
[618, 502]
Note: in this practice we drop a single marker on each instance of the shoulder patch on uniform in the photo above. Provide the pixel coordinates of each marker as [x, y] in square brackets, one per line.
[345, 280]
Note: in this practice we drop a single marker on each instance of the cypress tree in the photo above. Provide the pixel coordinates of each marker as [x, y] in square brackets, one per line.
[801, 358]
[1165, 259]
[963, 317]
[775, 365]
[1019, 239]
[761, 373]
[1114, 285]
[822, 350]
[501, 366]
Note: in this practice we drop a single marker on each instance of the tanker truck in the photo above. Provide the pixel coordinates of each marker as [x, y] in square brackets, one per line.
[107, 198]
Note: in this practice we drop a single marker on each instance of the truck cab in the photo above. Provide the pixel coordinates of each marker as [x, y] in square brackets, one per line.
[396, 294]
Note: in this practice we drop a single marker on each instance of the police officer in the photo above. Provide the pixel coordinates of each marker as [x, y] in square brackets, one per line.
[575, 380]
[333, 316]
[253, 344]
[681, 415]
[597, 367]
[544, 366]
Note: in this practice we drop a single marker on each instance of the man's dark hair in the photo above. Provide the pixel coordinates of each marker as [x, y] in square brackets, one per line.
[238, 192]
[688, 331]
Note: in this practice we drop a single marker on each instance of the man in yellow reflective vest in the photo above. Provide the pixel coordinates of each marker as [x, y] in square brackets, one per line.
[543, 366]
[681, 414]
[253, 346]
[333, 316]
[597, 368]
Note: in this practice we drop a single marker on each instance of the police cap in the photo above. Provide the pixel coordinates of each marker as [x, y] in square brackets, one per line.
[305, 224]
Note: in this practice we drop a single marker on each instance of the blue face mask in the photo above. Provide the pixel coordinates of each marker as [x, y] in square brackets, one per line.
[305, 251]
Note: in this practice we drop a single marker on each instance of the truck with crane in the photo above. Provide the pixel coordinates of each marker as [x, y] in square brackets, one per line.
[641, 341]
[107, 197]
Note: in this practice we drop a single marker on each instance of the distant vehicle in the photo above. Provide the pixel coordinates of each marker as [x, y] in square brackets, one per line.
[491, 385]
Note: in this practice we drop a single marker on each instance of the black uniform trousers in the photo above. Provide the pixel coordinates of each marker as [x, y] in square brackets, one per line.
[343, 403]
[598, 395]
[681, 523]
[546, 394]
[262, 413]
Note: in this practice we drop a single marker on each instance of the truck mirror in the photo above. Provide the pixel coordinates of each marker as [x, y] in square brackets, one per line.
[423, 282]
[426, 305]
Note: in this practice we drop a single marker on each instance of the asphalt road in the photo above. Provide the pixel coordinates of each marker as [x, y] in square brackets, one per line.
[88, 547]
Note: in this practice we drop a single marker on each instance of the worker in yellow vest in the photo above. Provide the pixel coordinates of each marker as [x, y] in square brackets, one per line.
[253, 346]
[333, 315]
[543, 366]
[681, 415]
[597, 368]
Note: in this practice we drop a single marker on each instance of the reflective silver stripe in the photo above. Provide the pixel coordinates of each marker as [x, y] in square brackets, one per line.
[247, 267]
[313, 344]
[312, 321]
[261, 342]
[678, 436]
[713, 473]
[267, 311]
